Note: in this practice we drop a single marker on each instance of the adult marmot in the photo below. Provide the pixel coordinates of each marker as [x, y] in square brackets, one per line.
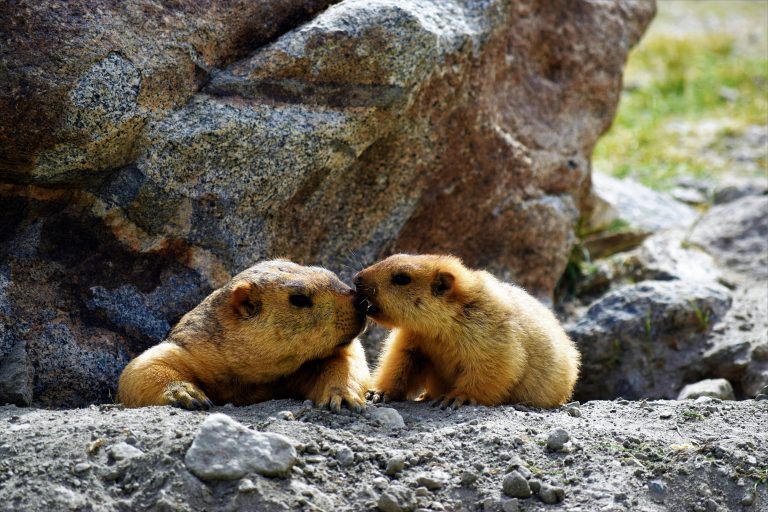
[462, 336]
[277, 329]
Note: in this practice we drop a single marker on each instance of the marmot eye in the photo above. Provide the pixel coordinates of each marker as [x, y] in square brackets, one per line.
[401, 279]
[300, 301]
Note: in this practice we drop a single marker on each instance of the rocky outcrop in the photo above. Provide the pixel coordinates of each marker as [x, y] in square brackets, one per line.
[667, 320]
[149, 151]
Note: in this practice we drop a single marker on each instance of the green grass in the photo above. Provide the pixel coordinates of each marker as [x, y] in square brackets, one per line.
[673, 108]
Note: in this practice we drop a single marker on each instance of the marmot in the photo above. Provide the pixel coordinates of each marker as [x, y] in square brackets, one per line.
[462, 336]
[276, 330]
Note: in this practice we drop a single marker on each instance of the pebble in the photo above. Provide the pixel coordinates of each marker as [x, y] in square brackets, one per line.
[516, 486]
[387, 417]
[434, 480]
[81, 467]
[246, 485]
[395, 464]
[396, 498]
[468, 478]
[656, 486]
[550, 494]
[285, 416]
[422, 491]
[512, 505]
[748, 498]
[574, 411]
[124, 451]
[557, 439]
[345, 456]
[535, 485]
[224, 449]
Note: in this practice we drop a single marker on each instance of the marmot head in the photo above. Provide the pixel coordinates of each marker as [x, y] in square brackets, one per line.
[412, 291]
[279, 308]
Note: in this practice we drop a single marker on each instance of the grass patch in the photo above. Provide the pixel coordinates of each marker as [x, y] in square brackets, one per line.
[686, 91]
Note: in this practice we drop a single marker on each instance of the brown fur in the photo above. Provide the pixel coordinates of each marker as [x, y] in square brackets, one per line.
[462, 336]
[247, 342]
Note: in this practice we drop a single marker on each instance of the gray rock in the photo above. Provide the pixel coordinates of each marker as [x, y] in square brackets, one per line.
[639, 340]
[626, 201]
[16, 376]
[124, 452]
[732, 189]
[535, 484]
[345, 456]
[736, 234]
[395, 464]
[433, 480]
[226, 450]
[516, 486]
[511, 505]
[387, 417]
[669, 255]
[715, 388]
[396, 498]
[551, 494]
[468, 478]
[657, 487]
[557, 438]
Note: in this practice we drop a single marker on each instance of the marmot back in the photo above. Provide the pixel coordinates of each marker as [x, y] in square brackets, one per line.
[462, 336]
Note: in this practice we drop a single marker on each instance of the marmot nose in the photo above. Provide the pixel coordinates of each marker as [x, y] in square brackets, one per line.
[358, 282]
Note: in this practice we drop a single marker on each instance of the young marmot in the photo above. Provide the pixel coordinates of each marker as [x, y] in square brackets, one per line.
[462, 336]
[276, 330]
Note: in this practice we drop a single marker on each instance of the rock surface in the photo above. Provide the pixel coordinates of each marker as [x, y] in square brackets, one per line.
[653, 455]
[150, 151]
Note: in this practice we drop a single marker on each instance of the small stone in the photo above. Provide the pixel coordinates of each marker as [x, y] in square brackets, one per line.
[535, 485]
[246, 485]
[124, 451]
[434, 480]
[516, 486]
[226, 450]
[550, 494]
[422, 491]
[512, 505]
[345, 456]
[387, 417]
[285, 416]
[574, 411]
[468, 478]
[656, 487]
[748, 498]
[81, 467]
[396, 498]
[557, 439]
[395, 464]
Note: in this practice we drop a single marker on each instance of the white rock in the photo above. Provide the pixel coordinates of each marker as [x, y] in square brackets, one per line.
[124, 451]
[387, 417]
[715, 388]
[226, 450]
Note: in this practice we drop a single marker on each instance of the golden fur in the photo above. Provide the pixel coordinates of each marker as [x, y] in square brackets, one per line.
[462, 336]
[248, 342]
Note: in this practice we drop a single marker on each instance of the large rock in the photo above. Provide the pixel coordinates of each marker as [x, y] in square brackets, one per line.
[642, 341]
[715, 388]
[151, 151]
[736, 234]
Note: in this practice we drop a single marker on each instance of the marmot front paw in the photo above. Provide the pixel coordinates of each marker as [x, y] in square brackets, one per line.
[186, 395]
[333, 397]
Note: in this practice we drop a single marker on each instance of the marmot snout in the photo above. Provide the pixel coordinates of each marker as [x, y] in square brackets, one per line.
[462, 336]
[277, 329]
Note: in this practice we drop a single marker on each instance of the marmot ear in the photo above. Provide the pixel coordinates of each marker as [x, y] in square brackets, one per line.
[442, 283]
[244, 300]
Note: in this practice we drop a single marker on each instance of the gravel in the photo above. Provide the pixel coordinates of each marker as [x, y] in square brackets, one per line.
[620, 456]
